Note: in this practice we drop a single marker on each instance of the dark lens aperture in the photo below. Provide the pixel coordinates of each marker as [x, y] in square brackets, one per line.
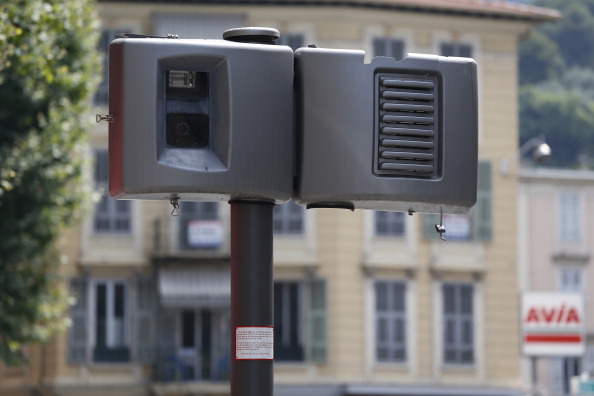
[187, 130]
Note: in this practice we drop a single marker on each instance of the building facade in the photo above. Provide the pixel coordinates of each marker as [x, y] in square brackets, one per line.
[366, 303]
[555, 254]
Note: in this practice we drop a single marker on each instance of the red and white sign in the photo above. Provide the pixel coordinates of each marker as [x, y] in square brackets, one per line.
[553, 324]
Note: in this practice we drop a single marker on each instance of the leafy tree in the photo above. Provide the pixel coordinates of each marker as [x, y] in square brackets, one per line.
[574, 34]
[540, 59]
[565, 117]
[557, 77]
[49, 67]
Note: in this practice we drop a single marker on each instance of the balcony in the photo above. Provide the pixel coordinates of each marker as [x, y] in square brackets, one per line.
[202, 230]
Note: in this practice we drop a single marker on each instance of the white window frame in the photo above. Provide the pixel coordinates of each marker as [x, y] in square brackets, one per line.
[110, 330]
[390, 315]
[410, 363]
[112, 215]
[392, 219]
[301, 324]
[284, 215]
[565, 272]
[390, 251]
[459, 318]
[570, 207]
[478, 319]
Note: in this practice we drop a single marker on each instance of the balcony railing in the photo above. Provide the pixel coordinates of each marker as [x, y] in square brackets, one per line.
[181, 236]
[190, 365]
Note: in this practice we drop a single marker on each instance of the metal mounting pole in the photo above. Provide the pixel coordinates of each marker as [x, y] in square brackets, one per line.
[252, 304]
[534, 375]
[252, 309]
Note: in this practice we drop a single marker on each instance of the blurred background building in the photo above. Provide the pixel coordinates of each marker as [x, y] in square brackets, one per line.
[366, 303]
[555, 254]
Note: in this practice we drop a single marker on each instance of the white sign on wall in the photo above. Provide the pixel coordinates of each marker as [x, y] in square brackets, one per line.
[205, 233]
[553, 324]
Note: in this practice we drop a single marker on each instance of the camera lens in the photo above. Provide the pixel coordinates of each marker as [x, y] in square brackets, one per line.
[183, 129]
[187, 130]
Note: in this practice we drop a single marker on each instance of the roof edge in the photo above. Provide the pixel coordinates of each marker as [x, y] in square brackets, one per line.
[490, 9]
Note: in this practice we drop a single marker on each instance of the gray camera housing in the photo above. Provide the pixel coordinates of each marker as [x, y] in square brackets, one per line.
[200, 120]
[386, 135]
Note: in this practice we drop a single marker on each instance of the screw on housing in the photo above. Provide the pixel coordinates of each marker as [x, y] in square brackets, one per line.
[104, 117]
[440, 228]
[174, 201]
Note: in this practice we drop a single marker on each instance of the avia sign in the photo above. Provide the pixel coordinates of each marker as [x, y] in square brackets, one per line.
[553, 324]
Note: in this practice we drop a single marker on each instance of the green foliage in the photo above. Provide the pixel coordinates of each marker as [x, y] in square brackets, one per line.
[540, 59]
[557, 77]
[49, 67]
[574, 34]
[564, 116]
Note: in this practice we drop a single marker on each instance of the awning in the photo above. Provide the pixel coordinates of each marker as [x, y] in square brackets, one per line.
[195, 287]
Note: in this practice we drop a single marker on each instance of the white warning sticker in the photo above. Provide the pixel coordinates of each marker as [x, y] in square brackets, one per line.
[254, 343]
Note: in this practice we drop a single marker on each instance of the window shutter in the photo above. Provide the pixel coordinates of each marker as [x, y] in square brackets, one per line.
[318, 334]
[483, 212]
[429, 222]
[78, 334]
[144, 320]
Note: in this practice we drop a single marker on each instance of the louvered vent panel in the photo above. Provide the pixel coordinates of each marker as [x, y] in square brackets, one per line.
[407, 138]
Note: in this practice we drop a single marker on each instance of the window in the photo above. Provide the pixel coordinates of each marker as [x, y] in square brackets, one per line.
[458, 320]
[300, 320]
[102, 321]
[389, 224]
[288, 219]
[572, 367]
[570, 279]
[111, 215]
[456, 49]
[564, 369]
[388, 47]
[288, 336]
[390, 321]
[293, 40]
[569, 217]
[478, 224]
[200, 225]
[110, 313]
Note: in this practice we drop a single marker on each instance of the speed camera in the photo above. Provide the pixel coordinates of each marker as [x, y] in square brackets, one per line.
[222, 120]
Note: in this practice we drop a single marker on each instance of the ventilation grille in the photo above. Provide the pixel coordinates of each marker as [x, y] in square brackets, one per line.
[407, 139]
